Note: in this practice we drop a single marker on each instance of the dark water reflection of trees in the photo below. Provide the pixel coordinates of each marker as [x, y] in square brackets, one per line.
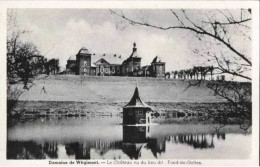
[135, 138]
[81, 150]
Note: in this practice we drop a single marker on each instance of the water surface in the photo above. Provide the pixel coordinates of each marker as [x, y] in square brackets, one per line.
[106, 138]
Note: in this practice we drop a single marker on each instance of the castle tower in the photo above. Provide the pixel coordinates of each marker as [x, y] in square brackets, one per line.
[83, 62]
[132, 64]
[136, 111]
[158, 67]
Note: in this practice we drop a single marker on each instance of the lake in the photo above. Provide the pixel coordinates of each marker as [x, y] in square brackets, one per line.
[106, 138]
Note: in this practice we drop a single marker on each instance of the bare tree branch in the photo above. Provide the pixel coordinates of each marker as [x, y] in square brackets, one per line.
[197, 29]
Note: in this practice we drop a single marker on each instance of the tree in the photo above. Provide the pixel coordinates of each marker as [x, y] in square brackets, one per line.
[211, 69]
[52, 66]
[175, 74]
[23, 57]
[20, 62]
[196, 71]
[23, 62]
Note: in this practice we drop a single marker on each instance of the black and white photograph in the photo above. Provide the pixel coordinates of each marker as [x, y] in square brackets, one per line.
[130, 84]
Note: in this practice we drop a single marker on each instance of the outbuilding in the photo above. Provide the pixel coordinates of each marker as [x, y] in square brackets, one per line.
[136, 111]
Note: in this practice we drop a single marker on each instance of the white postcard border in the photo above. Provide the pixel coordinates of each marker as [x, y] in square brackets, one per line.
[4, 5]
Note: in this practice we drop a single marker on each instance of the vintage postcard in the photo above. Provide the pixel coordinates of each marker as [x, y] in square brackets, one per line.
[110, 83]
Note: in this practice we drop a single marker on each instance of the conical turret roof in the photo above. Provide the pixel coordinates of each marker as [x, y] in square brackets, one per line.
[136, 101]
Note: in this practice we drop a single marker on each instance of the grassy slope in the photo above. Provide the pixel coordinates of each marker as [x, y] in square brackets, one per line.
[115, 89]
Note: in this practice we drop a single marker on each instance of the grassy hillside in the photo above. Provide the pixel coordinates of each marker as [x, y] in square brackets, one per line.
[115, 89]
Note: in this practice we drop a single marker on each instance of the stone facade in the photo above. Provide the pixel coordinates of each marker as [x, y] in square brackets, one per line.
[157, 67]
[105, 68]
[83, 62]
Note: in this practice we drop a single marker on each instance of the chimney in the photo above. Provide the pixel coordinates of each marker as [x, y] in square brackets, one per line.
[134, 48]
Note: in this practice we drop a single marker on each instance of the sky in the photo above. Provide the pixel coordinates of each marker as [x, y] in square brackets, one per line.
[60, 33]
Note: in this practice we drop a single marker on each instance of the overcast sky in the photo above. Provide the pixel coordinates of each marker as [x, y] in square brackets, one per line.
[60, 33]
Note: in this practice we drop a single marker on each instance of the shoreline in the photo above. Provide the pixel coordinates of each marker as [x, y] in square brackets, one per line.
[170, 111]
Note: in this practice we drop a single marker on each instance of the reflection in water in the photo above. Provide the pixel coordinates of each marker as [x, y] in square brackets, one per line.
[51, 149]
[79, 150]
[24, 150]
[105, 138]
[136, 140]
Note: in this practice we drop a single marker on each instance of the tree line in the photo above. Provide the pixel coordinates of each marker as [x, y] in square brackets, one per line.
[197, 72]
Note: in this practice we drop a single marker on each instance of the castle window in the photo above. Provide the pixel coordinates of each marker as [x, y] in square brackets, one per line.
[140, 112]
[85, 63]
[142, 129]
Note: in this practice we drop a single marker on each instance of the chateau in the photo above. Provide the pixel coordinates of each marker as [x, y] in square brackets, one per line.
[92, 64]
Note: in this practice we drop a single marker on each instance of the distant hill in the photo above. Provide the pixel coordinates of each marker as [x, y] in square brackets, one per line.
[115, 89]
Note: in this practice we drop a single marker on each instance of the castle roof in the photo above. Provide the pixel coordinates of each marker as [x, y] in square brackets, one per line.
[157, 60]
[110, 58]
[84, 50]
[136, 101]
[134, 54]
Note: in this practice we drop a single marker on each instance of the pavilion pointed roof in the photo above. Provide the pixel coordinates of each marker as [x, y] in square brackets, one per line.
[136, 101]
